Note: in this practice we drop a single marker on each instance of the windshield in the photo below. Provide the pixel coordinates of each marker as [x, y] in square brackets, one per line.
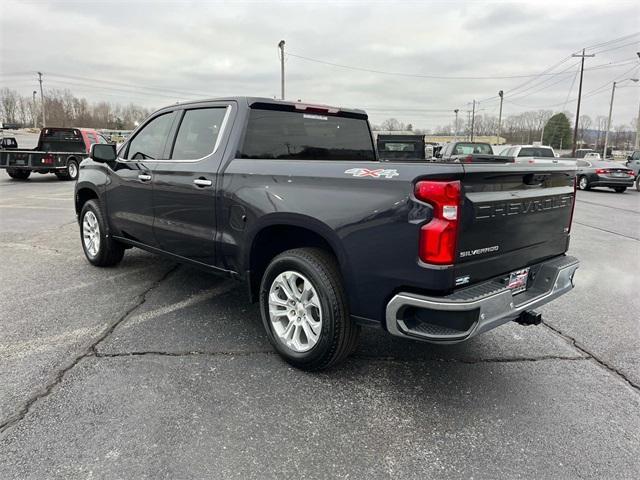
[471, 148]
[536, 152]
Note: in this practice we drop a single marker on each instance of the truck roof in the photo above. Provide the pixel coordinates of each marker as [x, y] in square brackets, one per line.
[250, 101]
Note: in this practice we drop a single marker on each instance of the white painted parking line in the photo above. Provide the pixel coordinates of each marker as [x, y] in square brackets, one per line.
[34, 207]
[42, 344]
[192, 300]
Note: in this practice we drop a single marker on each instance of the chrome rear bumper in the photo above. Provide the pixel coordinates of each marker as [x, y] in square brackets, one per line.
[470, 311]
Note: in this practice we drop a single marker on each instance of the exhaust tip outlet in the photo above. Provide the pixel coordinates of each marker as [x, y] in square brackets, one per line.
[529, 317]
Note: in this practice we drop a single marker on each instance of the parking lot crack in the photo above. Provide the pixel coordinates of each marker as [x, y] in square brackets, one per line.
[592, 356]
[185, 354]
[140, 299]
[473, 361]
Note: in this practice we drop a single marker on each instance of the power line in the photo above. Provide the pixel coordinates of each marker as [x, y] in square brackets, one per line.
[130, 85]
[618, 47]
[615, 40]
[414, 75]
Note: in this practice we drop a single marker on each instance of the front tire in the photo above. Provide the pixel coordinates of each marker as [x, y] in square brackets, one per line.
[583, 183]
[304, 309]
[620, 189]
[18, 173]
[100, 249]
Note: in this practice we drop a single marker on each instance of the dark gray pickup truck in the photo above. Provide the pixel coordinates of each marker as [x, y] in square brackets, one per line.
[292, 200]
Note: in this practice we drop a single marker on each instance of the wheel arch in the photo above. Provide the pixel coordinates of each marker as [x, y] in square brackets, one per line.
[84, 193]
[277, 233]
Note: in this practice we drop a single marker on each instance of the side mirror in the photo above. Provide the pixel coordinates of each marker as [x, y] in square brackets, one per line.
[103, 152]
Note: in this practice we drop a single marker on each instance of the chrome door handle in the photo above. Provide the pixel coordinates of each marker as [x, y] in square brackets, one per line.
[201, 182]
[144, 177]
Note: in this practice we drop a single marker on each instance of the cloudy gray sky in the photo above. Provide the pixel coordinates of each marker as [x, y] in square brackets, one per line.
[155, 53]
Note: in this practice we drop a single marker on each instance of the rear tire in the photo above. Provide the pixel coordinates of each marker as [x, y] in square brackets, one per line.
[620, 189]
[583, 183]
[638, 183]
[71, 172]
[318, 306]
[18, 173]
[100, 248]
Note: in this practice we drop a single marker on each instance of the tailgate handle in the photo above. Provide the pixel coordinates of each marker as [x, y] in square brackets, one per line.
[535, 178]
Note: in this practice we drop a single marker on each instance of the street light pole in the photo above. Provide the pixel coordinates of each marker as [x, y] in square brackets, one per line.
[501, 94]
[35, 111]
[281, 47]
[473, 119]
[455, 126]
[44, 115]
[606, 135]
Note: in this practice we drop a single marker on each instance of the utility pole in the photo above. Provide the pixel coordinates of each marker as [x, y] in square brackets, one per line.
[455, 126]
[606, 134]
[575, 128]
[473, 119]
[468, 136]
[35, 110]
[637, 146]
[501, 94]
[281, 47]
[44, 116]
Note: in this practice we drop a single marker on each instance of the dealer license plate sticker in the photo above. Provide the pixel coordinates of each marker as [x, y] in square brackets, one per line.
[517, 280]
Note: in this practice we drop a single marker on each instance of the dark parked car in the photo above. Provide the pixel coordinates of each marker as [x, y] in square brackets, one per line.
[399, 147]
[601, 173]
[291, 200]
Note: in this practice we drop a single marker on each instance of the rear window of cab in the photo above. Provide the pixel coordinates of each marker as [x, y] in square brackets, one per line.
[278, 134]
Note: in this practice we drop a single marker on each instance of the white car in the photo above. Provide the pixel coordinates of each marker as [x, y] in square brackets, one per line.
[592, 156]
[538, 154]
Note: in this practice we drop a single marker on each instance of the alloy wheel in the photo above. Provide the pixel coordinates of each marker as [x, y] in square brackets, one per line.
[91, 233]
[294, 311]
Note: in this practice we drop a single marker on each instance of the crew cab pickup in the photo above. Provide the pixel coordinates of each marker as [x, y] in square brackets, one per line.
[59, 151]
[291, 199]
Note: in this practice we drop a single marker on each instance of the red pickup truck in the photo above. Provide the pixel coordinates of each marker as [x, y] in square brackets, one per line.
[59, 151]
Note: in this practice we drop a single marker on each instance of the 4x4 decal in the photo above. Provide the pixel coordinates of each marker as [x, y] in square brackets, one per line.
[377, 173]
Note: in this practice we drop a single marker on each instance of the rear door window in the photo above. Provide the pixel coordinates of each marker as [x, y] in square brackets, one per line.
[275, 134]
[198, 133]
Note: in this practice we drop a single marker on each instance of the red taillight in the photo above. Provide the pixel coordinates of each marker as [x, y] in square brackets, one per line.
[630, 172]
[47, 159]
[601, 171]
[438, 237]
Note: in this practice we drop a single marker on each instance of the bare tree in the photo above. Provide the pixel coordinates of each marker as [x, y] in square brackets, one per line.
[9, 101]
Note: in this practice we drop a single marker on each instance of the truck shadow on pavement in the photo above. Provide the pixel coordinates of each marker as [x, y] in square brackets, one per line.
[195, 312]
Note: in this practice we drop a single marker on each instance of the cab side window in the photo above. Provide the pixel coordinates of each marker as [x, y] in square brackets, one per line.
[198, 133]
[149, 142]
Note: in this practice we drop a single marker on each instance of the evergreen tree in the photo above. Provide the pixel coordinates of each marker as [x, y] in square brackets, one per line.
[557, 132]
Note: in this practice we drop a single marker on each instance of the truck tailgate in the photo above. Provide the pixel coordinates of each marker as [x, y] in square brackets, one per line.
[512, 216]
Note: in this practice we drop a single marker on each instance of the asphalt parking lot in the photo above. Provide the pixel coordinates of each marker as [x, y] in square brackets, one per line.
[154, 370]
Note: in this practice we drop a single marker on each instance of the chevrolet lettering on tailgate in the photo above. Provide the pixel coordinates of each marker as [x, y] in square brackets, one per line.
[521, 207]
